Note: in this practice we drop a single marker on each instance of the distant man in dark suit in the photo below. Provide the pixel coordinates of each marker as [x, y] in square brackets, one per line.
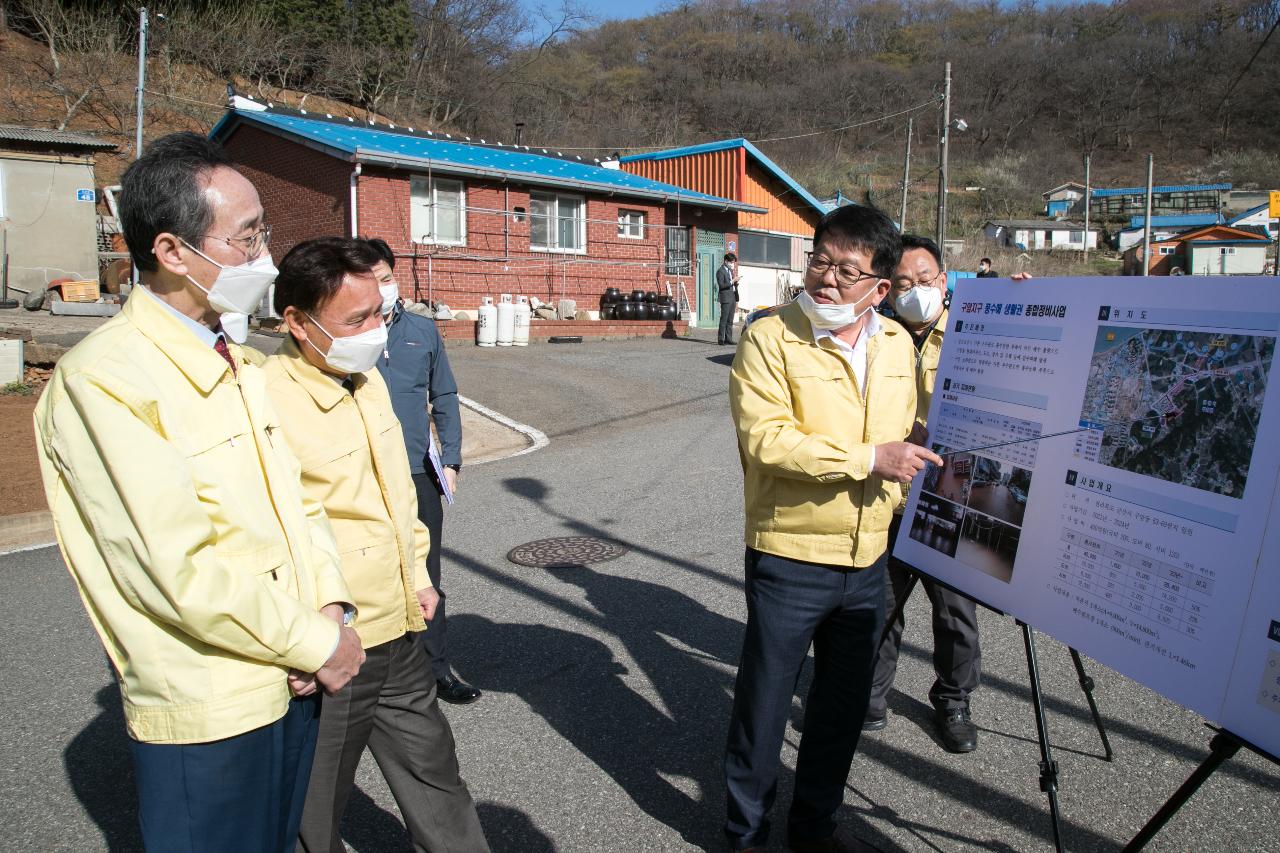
[727, 291]
[985, 270]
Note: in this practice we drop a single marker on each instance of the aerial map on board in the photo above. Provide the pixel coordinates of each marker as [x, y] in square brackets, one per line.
[1180, 406]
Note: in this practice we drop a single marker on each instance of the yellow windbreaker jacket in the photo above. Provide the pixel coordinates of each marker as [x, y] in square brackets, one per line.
[927, 366]
[354, 462]
[179, 511]
[805, 435]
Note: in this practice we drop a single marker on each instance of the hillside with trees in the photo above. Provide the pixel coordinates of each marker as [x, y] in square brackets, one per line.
[824, 87]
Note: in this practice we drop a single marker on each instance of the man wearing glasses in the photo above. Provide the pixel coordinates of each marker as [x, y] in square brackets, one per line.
[211, 579]
[823, 395]
[919, 300]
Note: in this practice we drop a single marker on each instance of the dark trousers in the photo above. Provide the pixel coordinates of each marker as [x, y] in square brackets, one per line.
[725, 333]
[391, 707]
[243, 793]
[957, 656]
[431, 511]
[790, 605]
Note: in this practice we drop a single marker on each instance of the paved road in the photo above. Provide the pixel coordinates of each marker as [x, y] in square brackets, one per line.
[608, 688]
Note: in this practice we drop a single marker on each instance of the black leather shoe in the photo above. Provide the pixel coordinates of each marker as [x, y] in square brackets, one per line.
[958, 733]
[875, 724]
[453, 691]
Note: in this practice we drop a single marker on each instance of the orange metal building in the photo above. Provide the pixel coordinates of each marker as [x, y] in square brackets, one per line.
[771, 246]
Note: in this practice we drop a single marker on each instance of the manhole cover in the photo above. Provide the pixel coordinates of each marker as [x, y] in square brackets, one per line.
[565, 552]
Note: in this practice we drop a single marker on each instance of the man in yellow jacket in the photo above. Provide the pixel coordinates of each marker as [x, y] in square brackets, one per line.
[337, 416]
[823, 394]
[179, 512]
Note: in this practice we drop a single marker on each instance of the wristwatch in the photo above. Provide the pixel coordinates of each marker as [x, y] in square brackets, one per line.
[456, 468]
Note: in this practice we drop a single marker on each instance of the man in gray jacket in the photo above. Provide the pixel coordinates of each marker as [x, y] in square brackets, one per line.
[727, 290]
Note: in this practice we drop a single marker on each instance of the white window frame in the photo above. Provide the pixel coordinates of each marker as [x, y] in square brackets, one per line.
[553, 230]
[420, 185]
[631, 224]
[1168, 250]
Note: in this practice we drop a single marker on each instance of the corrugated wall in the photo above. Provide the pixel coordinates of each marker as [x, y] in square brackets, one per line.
[712, 173]
[788, 213]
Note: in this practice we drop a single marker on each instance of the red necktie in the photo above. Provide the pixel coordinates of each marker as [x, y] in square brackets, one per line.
[220, 347]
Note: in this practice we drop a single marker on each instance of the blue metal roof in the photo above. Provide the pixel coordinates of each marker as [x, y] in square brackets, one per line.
[1250, 212]
[1190, 220]
[1179, 188]
[362, 142]
[726, 144]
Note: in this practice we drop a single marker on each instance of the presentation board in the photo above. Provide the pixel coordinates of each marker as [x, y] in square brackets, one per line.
[1133, 517]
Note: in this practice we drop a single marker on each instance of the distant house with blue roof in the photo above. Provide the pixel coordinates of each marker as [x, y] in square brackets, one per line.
[772, 243]
[1163, 227]
[1258, 217]
[469, 218]
[1167, 200]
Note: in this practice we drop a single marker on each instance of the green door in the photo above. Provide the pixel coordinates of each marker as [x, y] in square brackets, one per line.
[708, 304]
[710, 256]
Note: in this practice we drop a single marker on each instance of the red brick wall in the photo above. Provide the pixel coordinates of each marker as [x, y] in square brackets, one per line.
[497, 258]
[305, 193]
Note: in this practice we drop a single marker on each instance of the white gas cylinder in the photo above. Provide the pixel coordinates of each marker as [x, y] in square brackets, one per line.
[506, 320]
[487, 327]
[523, 313]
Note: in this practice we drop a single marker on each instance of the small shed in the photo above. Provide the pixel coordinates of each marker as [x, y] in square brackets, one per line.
[1039, 235]
[48, 210]
[1215, 250]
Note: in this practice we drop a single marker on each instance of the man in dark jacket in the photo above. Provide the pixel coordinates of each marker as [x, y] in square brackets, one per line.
[416, 371]
[727, 291]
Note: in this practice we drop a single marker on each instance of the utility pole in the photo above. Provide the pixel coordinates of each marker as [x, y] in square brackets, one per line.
[942, 166]
[1086, 208]
[1146, 221]
[142, 80]
[906, 176]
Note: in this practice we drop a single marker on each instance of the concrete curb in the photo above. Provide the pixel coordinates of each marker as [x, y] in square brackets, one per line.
[26, 530]
[536, 437]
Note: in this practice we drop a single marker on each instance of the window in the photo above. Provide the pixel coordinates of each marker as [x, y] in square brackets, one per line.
[1076, 236]
[1227, 250]
[631, 224]
[557, 223]
[764, 250]
[437, 211]
[677, 251]
[1168, 250]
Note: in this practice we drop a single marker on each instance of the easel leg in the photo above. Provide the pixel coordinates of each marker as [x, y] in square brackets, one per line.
[1048, 767]
[1086, 684]
[1222, 747]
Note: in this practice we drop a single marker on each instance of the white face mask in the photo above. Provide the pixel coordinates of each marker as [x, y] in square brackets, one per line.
[390, 294]
[918, 304]
[354, 354]
[236, 326]
[240, 289]
[824, 315]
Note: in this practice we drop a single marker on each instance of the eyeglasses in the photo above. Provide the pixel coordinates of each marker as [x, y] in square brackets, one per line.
[905, 283]
[847, 275]
[252, 245]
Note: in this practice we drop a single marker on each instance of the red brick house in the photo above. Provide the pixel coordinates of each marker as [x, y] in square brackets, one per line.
[468, 218]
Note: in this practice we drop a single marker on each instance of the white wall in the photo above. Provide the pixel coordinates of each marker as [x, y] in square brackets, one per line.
[760, 286]
[51, 234]
[1247, 260]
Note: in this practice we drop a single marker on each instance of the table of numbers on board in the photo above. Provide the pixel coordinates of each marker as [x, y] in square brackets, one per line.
[1143, 581]
[961, 428]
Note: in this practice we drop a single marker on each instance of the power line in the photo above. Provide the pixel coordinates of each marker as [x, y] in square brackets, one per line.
[1247, 66]
[819, 132]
